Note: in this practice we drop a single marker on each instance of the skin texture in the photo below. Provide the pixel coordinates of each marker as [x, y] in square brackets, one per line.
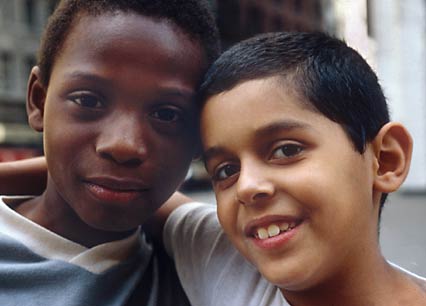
[274, 159]
[118, 120]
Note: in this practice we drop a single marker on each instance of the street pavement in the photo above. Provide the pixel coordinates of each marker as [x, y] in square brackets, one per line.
[402, 233]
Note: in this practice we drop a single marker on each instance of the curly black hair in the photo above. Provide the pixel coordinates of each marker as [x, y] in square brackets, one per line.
[194, 17]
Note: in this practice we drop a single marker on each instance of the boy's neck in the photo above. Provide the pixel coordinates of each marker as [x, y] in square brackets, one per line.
[374, 284]
[58, 217]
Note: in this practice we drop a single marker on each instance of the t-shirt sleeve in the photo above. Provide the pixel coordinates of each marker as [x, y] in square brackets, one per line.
[211, 270]
[193, 238]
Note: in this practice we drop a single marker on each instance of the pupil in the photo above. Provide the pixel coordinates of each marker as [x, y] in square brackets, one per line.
[166, 114]
[290, 150]
[88, 101]
[230, 170]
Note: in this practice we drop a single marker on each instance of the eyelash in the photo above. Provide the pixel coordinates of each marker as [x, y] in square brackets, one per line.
[163, 114]
[85, 99]
[288, 151]
[217, 173]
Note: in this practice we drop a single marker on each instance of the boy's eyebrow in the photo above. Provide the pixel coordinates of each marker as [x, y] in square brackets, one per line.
[261, 132]
[85, 76]
[211, 152]
[166, 91]
[178, 92]
[278, 126]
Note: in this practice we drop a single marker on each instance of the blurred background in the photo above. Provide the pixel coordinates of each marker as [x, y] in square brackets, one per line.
[390, 34]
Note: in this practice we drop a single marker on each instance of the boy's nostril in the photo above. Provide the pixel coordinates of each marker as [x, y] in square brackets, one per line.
[135, 162]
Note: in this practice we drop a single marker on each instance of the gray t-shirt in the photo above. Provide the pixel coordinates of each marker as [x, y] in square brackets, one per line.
[40, 268]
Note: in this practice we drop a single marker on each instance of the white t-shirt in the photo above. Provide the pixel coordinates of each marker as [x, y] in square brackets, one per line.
[211, 270]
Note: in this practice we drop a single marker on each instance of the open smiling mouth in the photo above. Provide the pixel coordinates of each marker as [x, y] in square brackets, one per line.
[273, 230]
[273, 234]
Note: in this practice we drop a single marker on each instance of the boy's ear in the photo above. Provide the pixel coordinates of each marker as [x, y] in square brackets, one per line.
[36, 100]
[393, 147]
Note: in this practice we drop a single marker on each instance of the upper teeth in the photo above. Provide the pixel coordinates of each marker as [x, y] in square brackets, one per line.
[273, 230]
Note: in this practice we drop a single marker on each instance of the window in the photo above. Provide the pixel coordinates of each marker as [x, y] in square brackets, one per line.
[5, 71]
[298, 6]
[51, 6]
[228, 20]
[370, 29]
[6, 12]
[29, 13]
[318, 10]
[278, 24]
[2, 11]
[254, 24]
[28, 63]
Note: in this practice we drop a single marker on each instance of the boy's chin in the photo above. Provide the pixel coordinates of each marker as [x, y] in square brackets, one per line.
[115, 225]
[292, 275]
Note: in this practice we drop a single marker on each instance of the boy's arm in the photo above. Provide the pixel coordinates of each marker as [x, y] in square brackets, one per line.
[155, 224]
[23, 177]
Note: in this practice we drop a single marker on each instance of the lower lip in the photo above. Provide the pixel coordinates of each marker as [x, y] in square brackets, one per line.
[276, 241]
[110, 195]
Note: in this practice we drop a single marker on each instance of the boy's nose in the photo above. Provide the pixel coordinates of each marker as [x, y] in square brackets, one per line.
[253, 186]
[123, 142]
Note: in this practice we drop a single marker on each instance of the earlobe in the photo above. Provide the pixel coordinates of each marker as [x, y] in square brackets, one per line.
[36, 98]
[393, 147]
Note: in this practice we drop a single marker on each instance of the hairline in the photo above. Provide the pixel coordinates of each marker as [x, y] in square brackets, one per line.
[87, 13]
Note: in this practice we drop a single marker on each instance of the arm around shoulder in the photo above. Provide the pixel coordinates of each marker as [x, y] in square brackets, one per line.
[155, 225]
[23, 177]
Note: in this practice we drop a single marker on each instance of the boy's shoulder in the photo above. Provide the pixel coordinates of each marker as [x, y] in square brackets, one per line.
[147, 270]
[195, 239]
[417, 279]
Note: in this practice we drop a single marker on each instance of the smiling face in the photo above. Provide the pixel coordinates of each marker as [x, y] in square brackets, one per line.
[293, 195]
[119, 118]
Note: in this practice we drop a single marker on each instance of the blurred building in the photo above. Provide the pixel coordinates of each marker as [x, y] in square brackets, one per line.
[240, 19]
[399, 31]
[391, 35]
[21, 23]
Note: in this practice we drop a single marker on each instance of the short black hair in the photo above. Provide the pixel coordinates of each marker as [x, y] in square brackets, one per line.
[193, 17]
[333, 78]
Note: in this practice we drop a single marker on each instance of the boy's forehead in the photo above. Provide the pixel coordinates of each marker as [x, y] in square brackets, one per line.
[128, 28]
[260, 107]
[261, 100]
[265, 90]
[132, 43]
[124, 26]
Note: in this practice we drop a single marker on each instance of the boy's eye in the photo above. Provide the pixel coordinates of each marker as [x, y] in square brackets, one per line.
[225, 171]
[287, 151]
[86, 100]
[167, 114]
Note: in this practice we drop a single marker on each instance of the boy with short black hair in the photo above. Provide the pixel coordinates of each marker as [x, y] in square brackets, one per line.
[113, 93]
[297, 139]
